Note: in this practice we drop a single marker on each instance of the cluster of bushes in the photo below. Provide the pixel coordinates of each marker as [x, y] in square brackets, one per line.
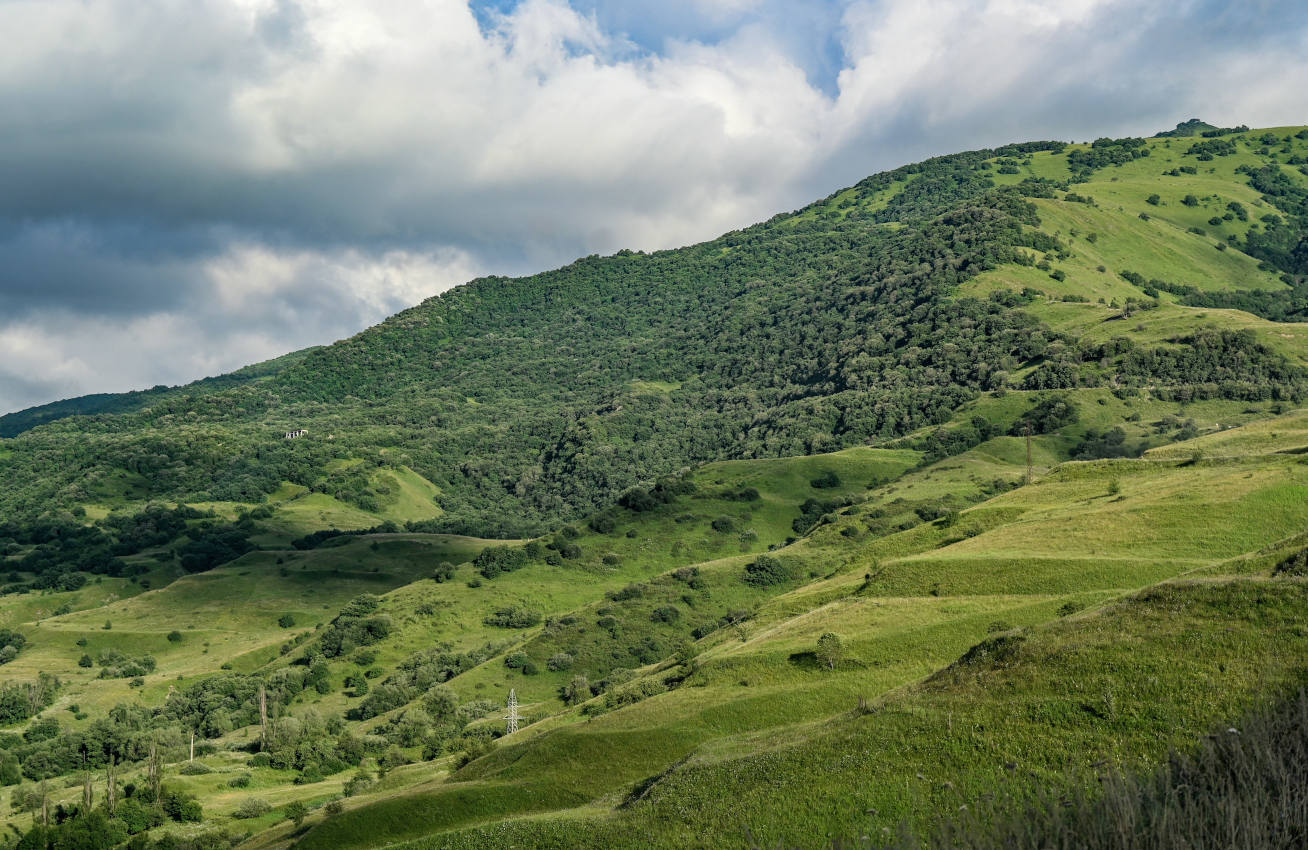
[766, 571]
[321, 537]
[513, 617]
[494, 560]
[665, 491]
[1103, 153]
[138, 809]
[357, 625]
[11, 643]
[114, 664]
[811, 512]
[417, 676]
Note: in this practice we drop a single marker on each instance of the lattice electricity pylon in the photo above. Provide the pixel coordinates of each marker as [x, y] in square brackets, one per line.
[512, 717]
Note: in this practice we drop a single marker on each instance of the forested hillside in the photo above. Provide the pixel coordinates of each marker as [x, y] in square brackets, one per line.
[531, 401]
[965, 505]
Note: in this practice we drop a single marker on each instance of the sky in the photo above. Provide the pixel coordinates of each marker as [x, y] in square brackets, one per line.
[189, 186]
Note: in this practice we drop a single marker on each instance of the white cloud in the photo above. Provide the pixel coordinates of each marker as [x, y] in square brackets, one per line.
[254, 175]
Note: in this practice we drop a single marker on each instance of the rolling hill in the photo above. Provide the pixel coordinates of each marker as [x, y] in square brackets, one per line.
[979, 481]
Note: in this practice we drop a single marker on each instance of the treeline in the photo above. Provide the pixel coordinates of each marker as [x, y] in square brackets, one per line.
[533, 402]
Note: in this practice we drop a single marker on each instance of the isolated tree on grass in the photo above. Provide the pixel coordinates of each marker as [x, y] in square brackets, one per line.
[296, 811]
[830, 650]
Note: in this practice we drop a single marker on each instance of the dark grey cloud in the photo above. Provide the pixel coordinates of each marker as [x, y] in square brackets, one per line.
[189, 186]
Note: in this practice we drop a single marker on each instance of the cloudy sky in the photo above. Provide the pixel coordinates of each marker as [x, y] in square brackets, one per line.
[187, 186]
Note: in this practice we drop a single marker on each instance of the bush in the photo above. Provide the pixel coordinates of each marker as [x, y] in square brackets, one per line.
[665, 614]
[826, 481]
[444, 572]
[194, 768]
[494, 560]
[286, 621]
[767, 571]
[830, 650]
[576, 691]
[252, 807]
[513, 617]
[174, 637]
[295, 811]
[359, 783]
[560, 661]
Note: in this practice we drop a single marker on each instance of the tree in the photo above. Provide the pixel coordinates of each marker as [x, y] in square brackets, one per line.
[576, 691]
[296, 812]
[830, 650]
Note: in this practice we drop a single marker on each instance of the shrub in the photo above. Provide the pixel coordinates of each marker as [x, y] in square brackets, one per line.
[357, 784]
[194, 768]
[174, 637]
[830, 650]
[665, 614]
[631, 591]
[295, 811]
[767, 571]
[560, 661]
[826, 481]
[286, 621]
[576, 691]
[513, 617]
[494, 560]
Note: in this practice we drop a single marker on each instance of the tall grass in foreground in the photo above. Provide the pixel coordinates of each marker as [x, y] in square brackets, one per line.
[1244, 788]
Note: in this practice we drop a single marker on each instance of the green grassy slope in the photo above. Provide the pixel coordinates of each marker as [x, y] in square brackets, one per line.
[997, 631]
[908, 605]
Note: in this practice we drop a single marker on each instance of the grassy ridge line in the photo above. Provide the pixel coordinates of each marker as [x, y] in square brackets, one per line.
[13, 424]
[720, 672]
[1119, 687]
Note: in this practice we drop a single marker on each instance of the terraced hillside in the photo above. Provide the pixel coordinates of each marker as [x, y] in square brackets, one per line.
[983, 477]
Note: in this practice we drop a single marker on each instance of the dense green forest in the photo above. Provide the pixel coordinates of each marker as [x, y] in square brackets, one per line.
[980, 483]
[532, 401]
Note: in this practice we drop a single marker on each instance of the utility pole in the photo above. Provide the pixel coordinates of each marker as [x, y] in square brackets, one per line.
[153, 772]
[513, 717]
[111, 793]
[192, 758]
[1028, 453]
[263, 717]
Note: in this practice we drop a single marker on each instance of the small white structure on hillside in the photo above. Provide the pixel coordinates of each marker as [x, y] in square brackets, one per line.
[291, 435]
[512, 717]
